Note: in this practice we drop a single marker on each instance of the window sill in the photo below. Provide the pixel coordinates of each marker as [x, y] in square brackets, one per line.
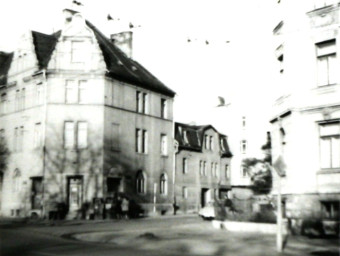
[329, 171]
[141, 154]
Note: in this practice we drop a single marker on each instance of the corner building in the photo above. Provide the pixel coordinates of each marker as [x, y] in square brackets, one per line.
[306, 116]
[82, 121]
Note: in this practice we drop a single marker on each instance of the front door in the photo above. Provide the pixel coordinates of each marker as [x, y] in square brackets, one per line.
[205, 196]
[37, 191]
[75, 192]
[113, 186]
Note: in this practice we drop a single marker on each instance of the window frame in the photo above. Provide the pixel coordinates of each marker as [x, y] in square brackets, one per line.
[141, 185]
[326, 51]
[163, 184]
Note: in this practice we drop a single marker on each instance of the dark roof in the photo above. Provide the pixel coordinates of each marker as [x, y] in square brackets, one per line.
[5, 63]
[119, 66]
[122, 68]
[195, 137]
[44, 46]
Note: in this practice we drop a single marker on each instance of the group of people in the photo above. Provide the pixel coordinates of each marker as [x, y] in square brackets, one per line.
[118, 208]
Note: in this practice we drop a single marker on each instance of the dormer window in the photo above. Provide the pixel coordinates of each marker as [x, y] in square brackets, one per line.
[222, 144]
[185, 137]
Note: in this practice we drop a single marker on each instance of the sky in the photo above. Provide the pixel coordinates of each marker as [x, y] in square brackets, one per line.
[235, 64]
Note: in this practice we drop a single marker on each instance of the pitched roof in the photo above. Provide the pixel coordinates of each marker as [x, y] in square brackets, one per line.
[191, 137]
[119, 66]
[125, 69]
[44, 46]
[5, 62]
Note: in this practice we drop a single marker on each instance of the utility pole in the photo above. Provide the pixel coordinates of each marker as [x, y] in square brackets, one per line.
[280, 168]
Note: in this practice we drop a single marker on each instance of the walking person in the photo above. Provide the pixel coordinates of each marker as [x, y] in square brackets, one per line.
[125, 208]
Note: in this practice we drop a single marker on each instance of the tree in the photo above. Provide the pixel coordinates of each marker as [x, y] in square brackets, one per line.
[260, 175]
[4, 154]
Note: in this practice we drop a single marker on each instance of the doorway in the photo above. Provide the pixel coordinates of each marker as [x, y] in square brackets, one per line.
[75, 192]
[205, 196]
[37, 192]
[113, 186]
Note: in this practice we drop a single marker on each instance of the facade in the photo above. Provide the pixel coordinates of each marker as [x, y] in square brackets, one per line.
[202, 166]
[82, 121]
[246, 126]
[306, 116]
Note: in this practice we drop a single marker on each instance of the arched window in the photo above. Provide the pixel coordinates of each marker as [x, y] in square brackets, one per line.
[141, 182]
[16, 180]
[164, 184]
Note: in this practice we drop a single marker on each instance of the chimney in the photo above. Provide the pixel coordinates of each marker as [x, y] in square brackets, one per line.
[68, 14]
[123, 41]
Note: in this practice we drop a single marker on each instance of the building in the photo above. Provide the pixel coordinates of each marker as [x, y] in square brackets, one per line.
[202, 166]
[306, 116]
[82, 121]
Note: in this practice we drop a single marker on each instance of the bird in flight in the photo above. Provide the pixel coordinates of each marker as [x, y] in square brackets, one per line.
[77, 3]
[222, 103]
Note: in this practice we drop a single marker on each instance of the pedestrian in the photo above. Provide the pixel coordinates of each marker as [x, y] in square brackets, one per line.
[118, 207]
[125, 208]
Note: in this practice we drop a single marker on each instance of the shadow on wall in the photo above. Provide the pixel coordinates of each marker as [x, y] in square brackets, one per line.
[74, 183]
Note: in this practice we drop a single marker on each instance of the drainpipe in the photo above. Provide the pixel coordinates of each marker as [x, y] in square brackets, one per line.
[174, 175]
[43, 212]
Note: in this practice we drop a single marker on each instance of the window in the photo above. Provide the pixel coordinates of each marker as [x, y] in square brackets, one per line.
[185, 137]
[164, 184]
[205, 168]
[206, 140]
[16, 180]
[184, 192]
[142, 102]
[141, 141]
[141, 182]
[222, 144]
[243, 122]
[282, 140]
[227, 171]
[330, 210]
[211, 143]
[71, 91]
[76, 91]
[2, 134]
[243, 146]
[39, 94]
[326, 63]
[78, 51]
[23, 98]
[4, 103]
[185, 165]
[164, 108]
[213, 174]
[21, 138]
[115, 135]
[216, 170]
[201, 168]
[37, 135]
[82, 91]
[69, 135]
[17, 100]
[82, 135]
[330, 145]
[280, 59]
[18, 138]
[164, 145]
